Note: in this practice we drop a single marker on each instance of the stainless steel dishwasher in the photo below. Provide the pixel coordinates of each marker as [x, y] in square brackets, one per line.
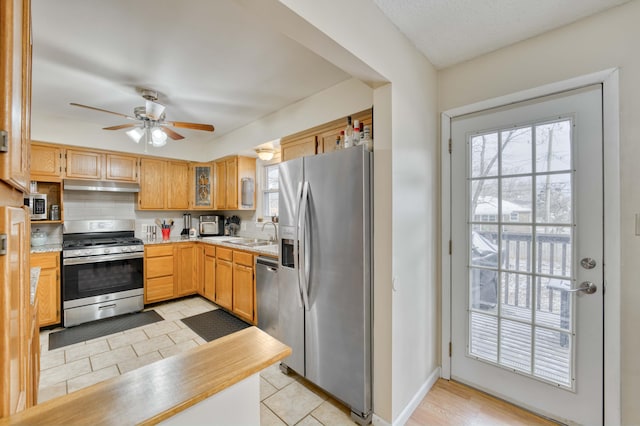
[267, 295]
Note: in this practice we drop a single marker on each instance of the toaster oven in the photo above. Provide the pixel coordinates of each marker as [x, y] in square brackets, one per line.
[211, 225]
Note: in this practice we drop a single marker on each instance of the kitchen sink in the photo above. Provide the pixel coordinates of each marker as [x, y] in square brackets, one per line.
[249, 242]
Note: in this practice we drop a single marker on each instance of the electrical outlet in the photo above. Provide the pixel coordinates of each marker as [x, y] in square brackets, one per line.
[243, 226]
[145, 229]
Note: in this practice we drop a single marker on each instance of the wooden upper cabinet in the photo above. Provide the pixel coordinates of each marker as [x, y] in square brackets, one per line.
[83, 164]
[201, 190]
[327, 140]
[321, 139]
[177, 185]
[231, 172]
[296, 148]
[46, 162]
[152, 184]
[221, 185]
[232, 183]
[15, 92]
[122, 168]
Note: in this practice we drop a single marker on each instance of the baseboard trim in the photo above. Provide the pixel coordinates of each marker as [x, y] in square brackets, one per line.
[412, 405]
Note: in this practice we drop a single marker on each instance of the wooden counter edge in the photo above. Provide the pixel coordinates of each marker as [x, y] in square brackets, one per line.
[162, 389]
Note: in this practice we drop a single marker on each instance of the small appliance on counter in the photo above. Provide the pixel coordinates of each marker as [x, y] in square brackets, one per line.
[233, 225]
[187, 224]
[211, 225]
[37, 206]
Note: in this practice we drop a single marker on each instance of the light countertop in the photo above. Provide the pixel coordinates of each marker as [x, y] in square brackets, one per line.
[268, 250]
[47, 248]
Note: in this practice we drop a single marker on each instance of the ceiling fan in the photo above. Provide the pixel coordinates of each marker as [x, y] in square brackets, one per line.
[151, 121]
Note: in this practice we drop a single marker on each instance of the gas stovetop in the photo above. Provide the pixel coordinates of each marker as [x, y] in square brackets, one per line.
[100, 242]
[100, 237]
[97, 248]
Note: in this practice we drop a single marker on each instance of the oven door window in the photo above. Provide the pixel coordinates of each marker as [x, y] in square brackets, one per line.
[96, 279]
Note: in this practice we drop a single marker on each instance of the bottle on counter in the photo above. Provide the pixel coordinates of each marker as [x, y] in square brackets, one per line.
[366, 141]
[348, 134]
[356, 133]
[339, 141]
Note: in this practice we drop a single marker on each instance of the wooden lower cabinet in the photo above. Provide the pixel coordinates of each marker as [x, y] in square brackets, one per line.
[159, 276]
[209, 272]
[222, 275]
[224, 278]
[48, 287]
[187, 269]
[243, 285]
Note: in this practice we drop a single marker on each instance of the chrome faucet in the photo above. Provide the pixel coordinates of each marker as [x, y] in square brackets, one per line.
[275, 229]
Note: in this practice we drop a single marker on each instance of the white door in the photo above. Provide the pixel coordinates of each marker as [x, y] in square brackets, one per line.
[527, 231]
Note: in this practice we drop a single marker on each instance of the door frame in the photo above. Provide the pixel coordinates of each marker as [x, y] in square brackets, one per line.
[611, 163]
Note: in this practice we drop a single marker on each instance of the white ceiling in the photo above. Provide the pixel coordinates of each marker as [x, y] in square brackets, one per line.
[212, 64]
[448, 32]
[209, 63]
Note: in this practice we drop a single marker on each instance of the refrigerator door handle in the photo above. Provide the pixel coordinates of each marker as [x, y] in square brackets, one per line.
[296, 237]
[303, 275]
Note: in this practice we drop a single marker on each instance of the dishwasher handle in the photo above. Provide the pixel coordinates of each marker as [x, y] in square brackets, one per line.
[270, 263]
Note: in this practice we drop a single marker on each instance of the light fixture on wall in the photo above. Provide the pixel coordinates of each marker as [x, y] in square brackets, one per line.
[264, 154]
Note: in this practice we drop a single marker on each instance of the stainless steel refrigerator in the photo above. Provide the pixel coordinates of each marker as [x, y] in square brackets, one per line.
[325, 273]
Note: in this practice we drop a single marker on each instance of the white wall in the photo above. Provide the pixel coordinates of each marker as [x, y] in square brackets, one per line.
[338, 101]
[604, 41]
[411, 206]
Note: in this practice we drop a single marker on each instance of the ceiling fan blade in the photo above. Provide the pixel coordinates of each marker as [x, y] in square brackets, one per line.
[173, 135]
[119, 126]
[103, 110]
[194, 126]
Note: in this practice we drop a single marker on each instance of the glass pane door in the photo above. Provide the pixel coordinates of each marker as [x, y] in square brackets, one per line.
[520, 229]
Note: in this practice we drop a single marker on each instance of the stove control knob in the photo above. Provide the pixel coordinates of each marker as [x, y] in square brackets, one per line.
[107, 251]
[126, 249]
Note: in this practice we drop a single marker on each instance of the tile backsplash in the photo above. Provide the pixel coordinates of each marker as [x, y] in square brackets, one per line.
[80, 205]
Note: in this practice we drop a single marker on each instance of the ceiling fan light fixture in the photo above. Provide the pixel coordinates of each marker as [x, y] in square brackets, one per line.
[158, 137]
[264, 154]
[154, 110]
[135, 134]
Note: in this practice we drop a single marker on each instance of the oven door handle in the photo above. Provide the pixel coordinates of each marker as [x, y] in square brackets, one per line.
[101, 258]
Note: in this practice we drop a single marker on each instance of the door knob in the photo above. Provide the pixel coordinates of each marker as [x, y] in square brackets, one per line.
[588, 263]
[586, 286]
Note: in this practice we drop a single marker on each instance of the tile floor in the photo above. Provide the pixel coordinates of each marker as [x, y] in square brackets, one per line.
[286, 400]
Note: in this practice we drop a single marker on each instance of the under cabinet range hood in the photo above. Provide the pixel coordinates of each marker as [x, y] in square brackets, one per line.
[100, 185]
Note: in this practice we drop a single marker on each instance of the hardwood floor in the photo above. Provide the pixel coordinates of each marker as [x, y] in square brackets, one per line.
[451, 403]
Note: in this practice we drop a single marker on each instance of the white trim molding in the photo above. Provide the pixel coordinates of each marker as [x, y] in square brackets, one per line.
[413, 404]
[612, 233]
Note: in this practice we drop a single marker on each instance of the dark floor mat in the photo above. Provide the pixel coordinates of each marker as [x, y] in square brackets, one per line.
[214, 324]
[104, 327]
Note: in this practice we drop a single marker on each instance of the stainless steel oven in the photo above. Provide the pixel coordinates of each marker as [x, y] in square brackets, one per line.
[102, 270]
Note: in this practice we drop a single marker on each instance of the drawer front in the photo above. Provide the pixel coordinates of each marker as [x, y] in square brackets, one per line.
[159, 266]
[210, 250]
[224, 253]
[157, 289]
[243, 258]
[159, 250]
[45, 260]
